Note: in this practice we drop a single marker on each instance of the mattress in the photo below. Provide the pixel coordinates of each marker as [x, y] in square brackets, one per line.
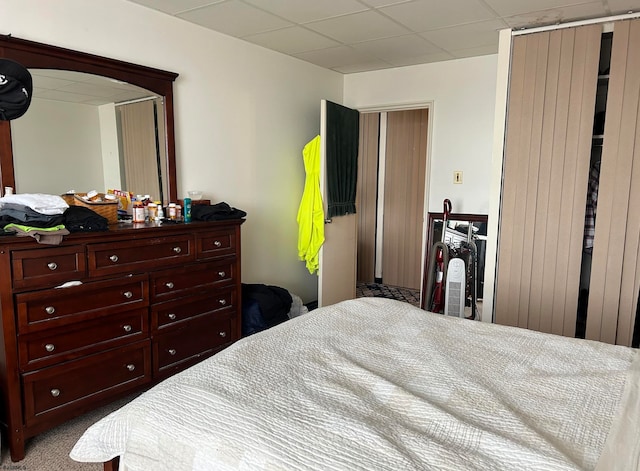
[376, 384]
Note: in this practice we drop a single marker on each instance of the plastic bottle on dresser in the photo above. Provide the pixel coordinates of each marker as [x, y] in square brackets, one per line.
[187, 210]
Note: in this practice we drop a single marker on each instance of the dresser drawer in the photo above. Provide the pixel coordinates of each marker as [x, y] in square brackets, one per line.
[179, 311]
[177, 282]
[216, 243]
[69, 342]
[47, 267]
[49, 308]
[139, 255]
[202, 336]
[50, 392]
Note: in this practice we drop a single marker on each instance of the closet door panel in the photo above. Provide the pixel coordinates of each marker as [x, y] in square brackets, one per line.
[550, 117]
[367, 194]
[613, 289]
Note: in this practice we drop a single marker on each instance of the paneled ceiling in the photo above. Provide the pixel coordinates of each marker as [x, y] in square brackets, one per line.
[360, 35]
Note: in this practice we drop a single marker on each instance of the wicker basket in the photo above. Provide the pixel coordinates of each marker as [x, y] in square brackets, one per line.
[106, 209]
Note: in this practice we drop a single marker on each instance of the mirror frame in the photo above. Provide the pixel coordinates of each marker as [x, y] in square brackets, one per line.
[43, 56]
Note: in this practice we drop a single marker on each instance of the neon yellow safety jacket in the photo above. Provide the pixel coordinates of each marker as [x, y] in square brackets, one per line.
[311, 211]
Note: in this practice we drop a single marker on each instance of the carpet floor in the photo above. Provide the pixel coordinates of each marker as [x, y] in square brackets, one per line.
[50, 450]
[377, 290]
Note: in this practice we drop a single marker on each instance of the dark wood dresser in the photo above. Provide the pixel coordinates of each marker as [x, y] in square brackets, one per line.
[152, 301]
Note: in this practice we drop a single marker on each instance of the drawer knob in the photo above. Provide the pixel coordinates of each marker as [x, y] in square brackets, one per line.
[55, 392]
[223, 334]
[52, 265]
[127, 328]
[169, 284]
[113, 258]
[131, 367]
[217, 243]
[222, 302]
[128, 294]
[172, 316]
[50, 309]
[222, 274]
[49, 347]
[177, 249]
[172, 351]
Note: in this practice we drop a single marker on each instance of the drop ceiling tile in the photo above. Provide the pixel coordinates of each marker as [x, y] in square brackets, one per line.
[234, 18]
[467, 36]
[400, 46]
[291, 40]
[175, 6]
[304, 11]
[425, 15]
[383, 3]
[426, 59]
[475, 51]
[364, 67]
[518, 7]
[335, 57]
[557, 15]
[619, 7]
[358, 27]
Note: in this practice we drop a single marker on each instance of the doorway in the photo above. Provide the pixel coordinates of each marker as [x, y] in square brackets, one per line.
[391, 199]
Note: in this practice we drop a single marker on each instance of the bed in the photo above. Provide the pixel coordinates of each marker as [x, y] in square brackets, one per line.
[376, 384]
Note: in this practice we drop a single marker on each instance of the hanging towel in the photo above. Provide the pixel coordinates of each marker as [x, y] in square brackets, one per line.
[343, 134]
[311, 211]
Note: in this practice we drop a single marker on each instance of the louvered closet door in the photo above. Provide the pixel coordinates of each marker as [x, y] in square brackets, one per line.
[615, 271]
[547, 150]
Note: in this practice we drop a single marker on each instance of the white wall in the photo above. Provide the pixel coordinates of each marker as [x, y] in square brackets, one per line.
[60, 148]
[242, 114]
[462, 93]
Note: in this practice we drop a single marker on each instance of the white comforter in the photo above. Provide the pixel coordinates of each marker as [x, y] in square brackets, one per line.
[374, 384]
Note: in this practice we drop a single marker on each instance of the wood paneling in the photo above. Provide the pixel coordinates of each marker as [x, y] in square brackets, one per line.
[367, 195]
[405, 167]
[547, 151]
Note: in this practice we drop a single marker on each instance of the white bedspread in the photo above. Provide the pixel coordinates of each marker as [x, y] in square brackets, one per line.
[375, 384]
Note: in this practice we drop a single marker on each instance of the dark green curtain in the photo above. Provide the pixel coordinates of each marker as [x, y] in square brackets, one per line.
[341, 140]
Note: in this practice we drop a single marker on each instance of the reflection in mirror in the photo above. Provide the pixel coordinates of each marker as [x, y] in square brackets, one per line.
[460, 230]
[86, 132]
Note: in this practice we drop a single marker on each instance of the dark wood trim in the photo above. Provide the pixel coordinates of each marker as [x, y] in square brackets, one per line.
[43, 56]
[431, 218]
[112, 465]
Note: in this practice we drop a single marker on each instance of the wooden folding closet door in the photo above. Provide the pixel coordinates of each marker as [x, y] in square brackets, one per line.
[546, 162]
[404, 185]
[615, 270]
[366, 195]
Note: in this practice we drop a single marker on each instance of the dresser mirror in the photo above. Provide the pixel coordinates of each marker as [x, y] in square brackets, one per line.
[94, 123]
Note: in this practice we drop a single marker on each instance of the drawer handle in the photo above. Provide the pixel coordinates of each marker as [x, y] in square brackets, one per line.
[127, 328]
[169, 284]
[217, 243]
[50, 309]
[49, 347]
[113, 258]
[172, 316]
[52, 265]
[172, 351]
[223, 334]
[131, 367]
[128, 294]
[55, 392]
[222, 302]
[222, 274]
[177, 249]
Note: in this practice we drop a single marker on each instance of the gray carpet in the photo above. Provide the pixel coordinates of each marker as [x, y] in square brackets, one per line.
[49, 451]
[377, 290]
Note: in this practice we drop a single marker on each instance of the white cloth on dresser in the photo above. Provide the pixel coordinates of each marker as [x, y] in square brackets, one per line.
[39, 202]
[375, 384]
